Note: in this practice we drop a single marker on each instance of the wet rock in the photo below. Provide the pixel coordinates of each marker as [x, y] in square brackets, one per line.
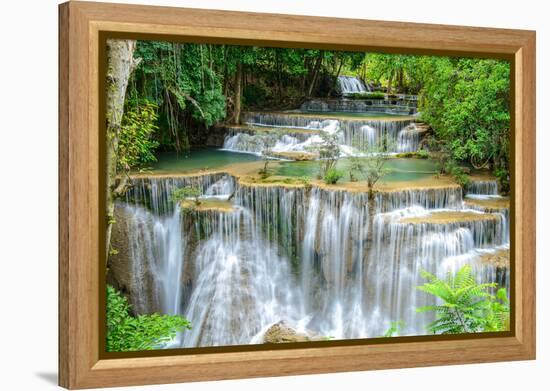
[136, 284]
[280, 333]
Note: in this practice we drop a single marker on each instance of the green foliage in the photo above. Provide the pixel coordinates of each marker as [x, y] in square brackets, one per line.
[394, 329]
[465, 306]
[367, 95]
[329, 153]
[372, 166]
[503, 177]
[332, 176]
[423, 154]
[466, 101]
[145, 332]
[185, 81]
[264, 171]
[255, 95]
[498, 317]
[183, 193]
[458, 172]
[136, 145]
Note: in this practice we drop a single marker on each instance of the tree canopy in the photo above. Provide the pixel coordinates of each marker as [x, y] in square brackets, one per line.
[192, 87]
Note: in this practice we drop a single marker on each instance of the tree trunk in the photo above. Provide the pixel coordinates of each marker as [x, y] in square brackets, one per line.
[390, 82]
[225, 73]
[335, 81]
[120, 63]
[278, 69]
[238, 93]
[315, 73]
[400, 80]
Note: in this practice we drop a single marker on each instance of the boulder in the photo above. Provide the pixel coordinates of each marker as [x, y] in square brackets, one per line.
[280, 333]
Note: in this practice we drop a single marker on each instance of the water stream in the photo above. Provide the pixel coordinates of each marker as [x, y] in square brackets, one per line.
[302, 134]
[320, 260]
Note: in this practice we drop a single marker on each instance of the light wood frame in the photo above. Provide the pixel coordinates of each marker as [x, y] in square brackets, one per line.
[80, 24]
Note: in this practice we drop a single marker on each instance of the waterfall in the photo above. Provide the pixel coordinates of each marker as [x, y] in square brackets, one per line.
[327, 261]
[430, 198]
[483, 187]
[364, 105]
[156, 249]
[392, 136]
[332, 271]
[408, 139]
[155, 192]
[350, 85]
[241, 284]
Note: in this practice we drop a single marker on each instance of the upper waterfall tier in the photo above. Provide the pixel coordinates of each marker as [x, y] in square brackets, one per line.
[280, 132]
[387, 106]
[350, 85]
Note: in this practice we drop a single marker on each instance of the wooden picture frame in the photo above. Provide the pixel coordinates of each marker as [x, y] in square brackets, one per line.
[83, 26]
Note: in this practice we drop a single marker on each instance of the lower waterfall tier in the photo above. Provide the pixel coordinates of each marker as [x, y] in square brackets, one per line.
[330, 263]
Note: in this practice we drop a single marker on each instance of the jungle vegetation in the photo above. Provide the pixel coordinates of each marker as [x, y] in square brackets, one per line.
[164, 96]
[134, 333]
[178, 91]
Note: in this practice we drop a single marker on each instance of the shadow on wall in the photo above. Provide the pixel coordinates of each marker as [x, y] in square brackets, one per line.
[48, 377]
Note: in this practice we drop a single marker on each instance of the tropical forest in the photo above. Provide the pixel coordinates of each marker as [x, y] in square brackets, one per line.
[260, 195]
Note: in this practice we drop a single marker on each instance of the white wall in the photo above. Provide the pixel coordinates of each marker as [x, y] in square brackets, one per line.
[28, 169]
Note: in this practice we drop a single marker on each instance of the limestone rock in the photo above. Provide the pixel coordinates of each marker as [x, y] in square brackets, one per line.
[280, 333]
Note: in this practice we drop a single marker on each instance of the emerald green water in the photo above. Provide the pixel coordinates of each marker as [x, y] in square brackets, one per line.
[211, 158]
[400, 169]
[199, 159]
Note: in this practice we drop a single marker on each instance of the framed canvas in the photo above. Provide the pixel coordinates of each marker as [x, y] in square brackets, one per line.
[246, 195]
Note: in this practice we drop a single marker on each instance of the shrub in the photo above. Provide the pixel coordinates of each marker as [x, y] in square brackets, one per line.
[182, 193]
[145, 332]
[423, 154]
[457, 172]
[467, 307]
[395, 329]
[332, 176]
[136, 145]
[366, 95]
[376, 95]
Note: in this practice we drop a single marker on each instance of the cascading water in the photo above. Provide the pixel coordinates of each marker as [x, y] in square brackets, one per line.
[483, 187]
[329, 262]
[366, 105]
[350, 85]
[240, 283]
[389, 136]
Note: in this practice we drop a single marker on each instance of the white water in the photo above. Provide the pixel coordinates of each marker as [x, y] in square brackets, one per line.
[314, 259]
[353, 136]
[350, 85]
[241, 284]
[481, 188]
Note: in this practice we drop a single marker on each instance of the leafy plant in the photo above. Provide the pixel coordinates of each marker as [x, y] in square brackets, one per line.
[465, 306]
[423, 154]
[372, 166]
[457, 172]
[332, 176]
[144, 332]
[136, 144]
[182, 193]
[394, 329]
[329, 152]
[367, 95]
